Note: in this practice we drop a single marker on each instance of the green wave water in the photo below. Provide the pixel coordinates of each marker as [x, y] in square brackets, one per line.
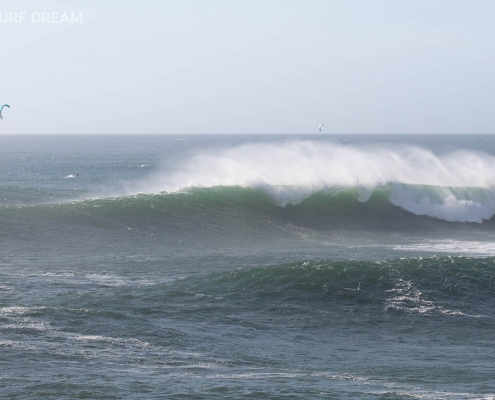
[341, 202]
[393, 328]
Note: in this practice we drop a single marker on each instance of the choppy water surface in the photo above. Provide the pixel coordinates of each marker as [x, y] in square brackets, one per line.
[247, 266]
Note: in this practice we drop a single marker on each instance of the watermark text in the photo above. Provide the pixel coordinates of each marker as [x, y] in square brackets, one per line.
[45, 17]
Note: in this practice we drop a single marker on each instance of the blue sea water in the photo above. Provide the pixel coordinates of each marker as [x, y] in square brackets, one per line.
[247, 266]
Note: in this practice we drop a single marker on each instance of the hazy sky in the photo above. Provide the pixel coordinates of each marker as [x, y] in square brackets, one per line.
[250, 66]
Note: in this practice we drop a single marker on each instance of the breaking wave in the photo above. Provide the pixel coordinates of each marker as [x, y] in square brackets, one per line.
[327, 177]
[456, 187]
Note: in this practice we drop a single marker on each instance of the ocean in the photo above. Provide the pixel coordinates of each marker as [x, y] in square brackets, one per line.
[247, 266]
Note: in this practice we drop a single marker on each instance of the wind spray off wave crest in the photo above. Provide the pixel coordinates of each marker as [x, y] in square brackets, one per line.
[457, 187]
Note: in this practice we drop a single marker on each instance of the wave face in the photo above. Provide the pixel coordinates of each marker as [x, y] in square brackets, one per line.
[450, 286]
[404, 328]
[456, 187]
[323, 185]
[230, 208]
[307, 197]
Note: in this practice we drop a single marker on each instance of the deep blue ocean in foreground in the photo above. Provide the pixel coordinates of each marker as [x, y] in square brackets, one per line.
[247, 266]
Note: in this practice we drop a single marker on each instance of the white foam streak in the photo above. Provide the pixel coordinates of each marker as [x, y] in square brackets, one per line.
[456, 187]
[458, 247]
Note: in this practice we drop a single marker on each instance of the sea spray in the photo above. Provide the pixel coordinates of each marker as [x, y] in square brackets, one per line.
[456, 187]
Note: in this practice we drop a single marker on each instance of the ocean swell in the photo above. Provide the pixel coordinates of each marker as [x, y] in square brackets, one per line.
[457, 187]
